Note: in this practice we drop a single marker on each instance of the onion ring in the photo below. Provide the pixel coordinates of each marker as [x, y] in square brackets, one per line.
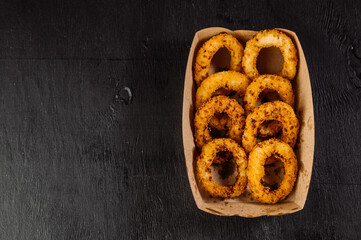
[205, 159]
[228, 80]
[265, 39]
[268, 82]
[256, 171]
[205, 113]
[209, 48]
[276, 110]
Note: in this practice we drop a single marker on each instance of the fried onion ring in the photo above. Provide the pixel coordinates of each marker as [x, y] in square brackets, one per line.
[276, 110]
[209, 48]
[218, 104]
[205, 160]
[265, 39]
[228, 80]
[268, 82]
[256, 171]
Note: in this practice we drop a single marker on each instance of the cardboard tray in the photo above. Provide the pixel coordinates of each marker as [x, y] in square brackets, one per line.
[245, 205]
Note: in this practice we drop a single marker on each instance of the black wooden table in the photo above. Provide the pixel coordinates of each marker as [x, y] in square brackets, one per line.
[80, 160]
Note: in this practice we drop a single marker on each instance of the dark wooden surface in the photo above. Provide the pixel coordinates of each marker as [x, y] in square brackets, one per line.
[78, 160]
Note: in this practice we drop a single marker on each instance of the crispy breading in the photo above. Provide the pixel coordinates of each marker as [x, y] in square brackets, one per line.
[228, 81]
[205, 160]
[205, 113]
[209, 48]
[256, 171]
[265, 39]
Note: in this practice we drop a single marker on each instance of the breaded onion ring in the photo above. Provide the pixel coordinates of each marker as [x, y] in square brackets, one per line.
[209, 48]
[205, 160]
[270, 82]
[228, 80]
[218, 104]
[256, 171]
[276, 110]
[265, 39]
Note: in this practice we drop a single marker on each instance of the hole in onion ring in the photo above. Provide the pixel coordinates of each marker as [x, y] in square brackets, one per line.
[265, 66]
[269, 95]
[227, 92]
[220, 61]
[269, 131]
[274, 173]
[237, 96]
[222, 91]
[217, 133]
[224, 174]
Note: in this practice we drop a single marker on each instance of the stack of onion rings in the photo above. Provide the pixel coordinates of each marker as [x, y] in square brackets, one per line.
[256, 171]
[209, 48]
[227, 80]
[209, 106]
[269, 82]
[205, 160]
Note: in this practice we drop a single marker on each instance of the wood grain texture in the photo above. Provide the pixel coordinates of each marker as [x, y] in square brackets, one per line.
[77, 162]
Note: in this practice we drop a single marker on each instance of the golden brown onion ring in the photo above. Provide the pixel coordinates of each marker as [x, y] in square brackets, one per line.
[228, 80]
[209, 48]
[205, 159]
[265, 39]
[270, 82]
[276, 110]
[256, 171]
[205, 113]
